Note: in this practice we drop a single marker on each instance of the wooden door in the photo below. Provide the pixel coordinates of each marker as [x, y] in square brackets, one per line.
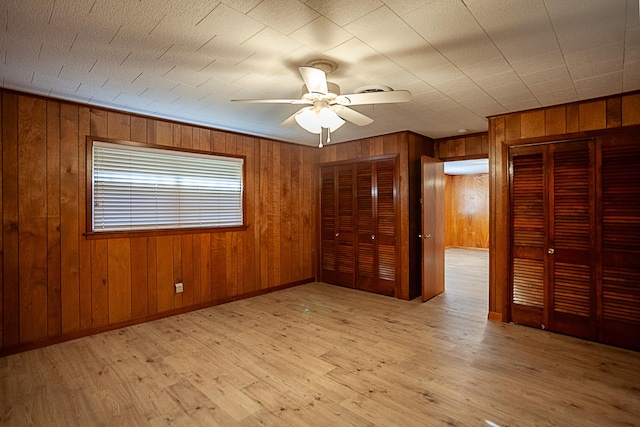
[572, 240]
[337, 225]
[328, 226]
[376, 226]
[620, 216]
[433, 207]
[528, 238]
[553, 230]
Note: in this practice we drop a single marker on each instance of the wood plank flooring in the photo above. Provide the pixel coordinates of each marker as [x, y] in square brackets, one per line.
[323, 355]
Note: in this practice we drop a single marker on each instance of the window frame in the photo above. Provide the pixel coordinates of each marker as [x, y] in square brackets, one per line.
[91, 234]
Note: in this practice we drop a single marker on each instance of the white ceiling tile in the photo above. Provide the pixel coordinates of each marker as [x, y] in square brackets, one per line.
[402, 7]
[602, 60]
[321, 34]
[543, 76]
[382, 29]
[450, 28]
[499, 80]
[286, 15]
[444, 73]
[355, 53]
[343, 12]
[224, 72]
[487, 68]
[557, 97]
[522, 104]
[243, 6]
[532, 64]
[228, 25]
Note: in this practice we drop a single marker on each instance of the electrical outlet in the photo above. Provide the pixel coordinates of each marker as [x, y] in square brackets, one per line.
[179, 288]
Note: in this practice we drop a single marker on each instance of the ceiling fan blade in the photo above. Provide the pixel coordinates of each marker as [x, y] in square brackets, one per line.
[352, 116]
[374, 97]
[291, 120]
[315, 79]
[271, 101]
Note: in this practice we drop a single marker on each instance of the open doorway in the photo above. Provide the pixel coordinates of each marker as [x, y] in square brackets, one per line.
[467, 230]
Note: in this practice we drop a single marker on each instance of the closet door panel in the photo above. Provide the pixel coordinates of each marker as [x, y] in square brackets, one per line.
[367, 257]
[346, 231]
[328, 226]
[621, 241]
[528, 224]
[386, 221]
[571, 240]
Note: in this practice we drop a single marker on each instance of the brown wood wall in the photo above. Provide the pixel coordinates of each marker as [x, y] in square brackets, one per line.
[467, 211]
[564, 122]
[472, 146]
[57, 285]
[409, 148]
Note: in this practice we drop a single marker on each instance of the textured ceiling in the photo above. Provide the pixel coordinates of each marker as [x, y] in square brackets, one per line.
[463, 60]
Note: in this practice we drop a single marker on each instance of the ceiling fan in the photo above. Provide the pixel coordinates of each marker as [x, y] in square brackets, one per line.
[325, 107]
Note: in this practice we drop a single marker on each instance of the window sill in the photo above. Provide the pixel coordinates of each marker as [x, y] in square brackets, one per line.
[164, 232]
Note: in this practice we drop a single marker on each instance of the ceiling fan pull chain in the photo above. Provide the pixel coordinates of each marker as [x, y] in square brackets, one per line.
[328, 135]
[320, 145]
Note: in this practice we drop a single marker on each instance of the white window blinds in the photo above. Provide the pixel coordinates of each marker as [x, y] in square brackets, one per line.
[140, 188]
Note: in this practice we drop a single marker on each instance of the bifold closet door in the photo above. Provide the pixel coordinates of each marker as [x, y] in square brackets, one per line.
[554, 237]
[573, 241]
[621, 241]
[528, 237]
[337, 225]
[376, 227]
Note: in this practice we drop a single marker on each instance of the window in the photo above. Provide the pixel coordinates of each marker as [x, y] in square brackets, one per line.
[138, 188]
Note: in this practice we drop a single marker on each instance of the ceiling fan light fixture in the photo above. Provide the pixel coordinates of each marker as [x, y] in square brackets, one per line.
[308, 120]
[313, 120]
[329, 119]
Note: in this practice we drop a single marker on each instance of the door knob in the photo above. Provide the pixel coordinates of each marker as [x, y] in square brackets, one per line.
[337, 234]
[551, 251]
[428, 236]
[373, 237]
[419, 236]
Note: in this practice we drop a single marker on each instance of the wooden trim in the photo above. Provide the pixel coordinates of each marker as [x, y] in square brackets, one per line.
[573, 136]
[360, 160]
[110, 327]
[90, 235]
[164, 232]
[495, 316]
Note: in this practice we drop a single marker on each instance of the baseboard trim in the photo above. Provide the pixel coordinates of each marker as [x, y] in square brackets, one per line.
[495, 316]
[32, 345]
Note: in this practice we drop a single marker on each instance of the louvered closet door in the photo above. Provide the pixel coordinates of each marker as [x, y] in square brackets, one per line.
[328, 226]
[337, 225]
[572, 245]
[376, 227]
[346, 226]
[621, 241]
[528, 225]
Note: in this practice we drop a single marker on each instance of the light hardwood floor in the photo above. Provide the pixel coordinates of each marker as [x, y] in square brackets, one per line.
[323, 355]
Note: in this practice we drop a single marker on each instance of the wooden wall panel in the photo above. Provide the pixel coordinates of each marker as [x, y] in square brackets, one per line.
[10, 221]
[565, 121]
[70, 202]
[54, 305]
[464, 147]
[467, 211]
[56, 283]
[32, 211]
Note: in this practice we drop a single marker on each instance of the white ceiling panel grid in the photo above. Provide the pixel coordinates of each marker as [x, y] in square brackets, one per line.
[186, 59]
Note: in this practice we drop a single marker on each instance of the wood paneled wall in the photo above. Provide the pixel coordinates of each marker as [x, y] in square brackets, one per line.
[564, 122]
[467, 211]
[472, 146]
[409, 147]
[58, 285]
